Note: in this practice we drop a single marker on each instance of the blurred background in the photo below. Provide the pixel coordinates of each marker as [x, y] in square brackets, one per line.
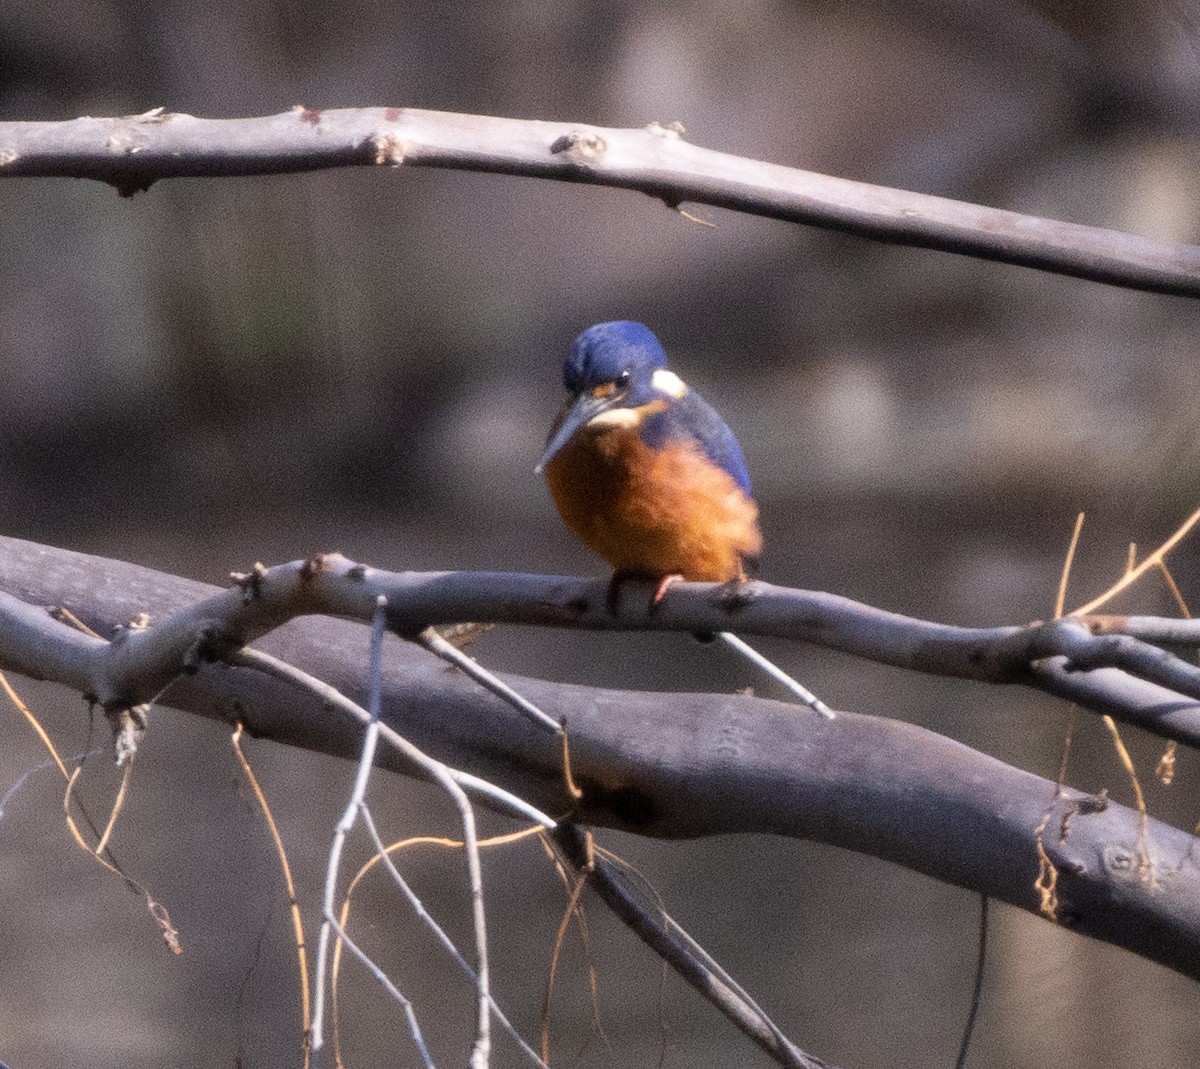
[222, 371]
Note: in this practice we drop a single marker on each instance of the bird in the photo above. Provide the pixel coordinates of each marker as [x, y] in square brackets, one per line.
[644, 471]
[647, 474]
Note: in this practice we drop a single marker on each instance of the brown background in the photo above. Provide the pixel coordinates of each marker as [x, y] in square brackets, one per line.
[228, 370]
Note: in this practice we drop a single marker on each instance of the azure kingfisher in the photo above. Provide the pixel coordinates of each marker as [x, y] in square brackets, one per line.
[643, 470]
[647, 474]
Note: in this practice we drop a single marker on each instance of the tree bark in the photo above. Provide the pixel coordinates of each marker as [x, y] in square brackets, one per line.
[677, 765]
[134, 151]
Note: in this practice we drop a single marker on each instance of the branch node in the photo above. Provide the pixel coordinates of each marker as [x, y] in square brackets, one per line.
[460, 636]
[735, 595]
[127, 186]
[250, 582]
[315, 565]
[124, 143]
[128, 728]
[211, 644]
[1093, 803]
[122, 631]
[389, 150]
[153, 116]
[580, 147]
[1119, 859]
[672, 131]
[312, 116]
[1104, 624]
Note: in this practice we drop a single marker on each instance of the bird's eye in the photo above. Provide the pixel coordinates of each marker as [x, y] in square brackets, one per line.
[622, 380]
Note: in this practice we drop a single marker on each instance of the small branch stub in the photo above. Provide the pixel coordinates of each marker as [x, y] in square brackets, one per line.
[580, 147]
[672, 130]
[128, 728]
[389, 150]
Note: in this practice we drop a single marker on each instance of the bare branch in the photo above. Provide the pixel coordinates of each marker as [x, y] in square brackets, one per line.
[132, 152]
[681, 952]
[1162, 631]
[480, 1057]
[736, 763]
[418, 907]
[1154, 689]
[332, 698]
[439, 647]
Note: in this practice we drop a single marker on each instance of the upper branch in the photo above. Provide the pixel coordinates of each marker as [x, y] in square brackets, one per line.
[132, 152]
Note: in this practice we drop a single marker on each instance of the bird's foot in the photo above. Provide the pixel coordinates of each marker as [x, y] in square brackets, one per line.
[663, 584]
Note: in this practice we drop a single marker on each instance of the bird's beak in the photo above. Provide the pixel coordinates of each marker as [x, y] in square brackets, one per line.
[575, 416]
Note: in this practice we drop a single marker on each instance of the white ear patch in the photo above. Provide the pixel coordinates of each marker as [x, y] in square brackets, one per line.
[668, 382]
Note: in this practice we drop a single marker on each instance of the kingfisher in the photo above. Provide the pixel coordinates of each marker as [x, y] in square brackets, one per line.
[644, 471]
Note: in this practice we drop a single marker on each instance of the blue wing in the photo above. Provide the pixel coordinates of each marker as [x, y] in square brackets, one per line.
[691, 418]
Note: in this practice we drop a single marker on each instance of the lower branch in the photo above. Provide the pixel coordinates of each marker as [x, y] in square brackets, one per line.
[678, 765]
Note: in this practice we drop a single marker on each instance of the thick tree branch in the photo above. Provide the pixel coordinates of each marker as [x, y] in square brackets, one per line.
[667, 765]
[132, 152]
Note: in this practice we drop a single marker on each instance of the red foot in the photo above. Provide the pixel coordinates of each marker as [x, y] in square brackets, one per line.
[664, 584]
[613, 596]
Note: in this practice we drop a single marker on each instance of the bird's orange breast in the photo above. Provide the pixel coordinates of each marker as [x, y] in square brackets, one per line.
[654, 512]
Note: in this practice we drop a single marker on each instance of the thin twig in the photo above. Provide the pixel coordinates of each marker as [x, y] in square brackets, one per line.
[685, 956]
[410, 1014]
[1060, 599]
[333, 866]
[1132, 576]
[805, 695]
[1145, 861]
[34, 723]
[502, 799]
[117, 806]
[371, 863]
[964, 1047]
[156, 909]
[289, 884]
[575, 888]
[104, 852]
[436, 644]
[418, 907]
[480, 1051]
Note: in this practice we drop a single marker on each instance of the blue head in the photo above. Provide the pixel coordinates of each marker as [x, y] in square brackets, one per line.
[617, 376]
[624, 353]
